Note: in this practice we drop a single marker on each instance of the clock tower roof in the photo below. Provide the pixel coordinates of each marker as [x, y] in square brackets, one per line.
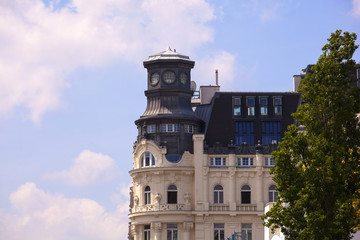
[168, 55]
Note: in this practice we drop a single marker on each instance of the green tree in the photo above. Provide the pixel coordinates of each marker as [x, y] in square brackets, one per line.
[317, 171]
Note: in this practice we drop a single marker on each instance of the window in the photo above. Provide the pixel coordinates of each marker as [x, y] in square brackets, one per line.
[219, 231]
[263, 106]
[173, 127]
[250, 103]
[218, 194]
[172, 233]
[271, 132]
[146, 232]
[217, 161]
[245, 162]
[244, 133]
[237, 106]
[273, 193]
[147, 195]
[270, 162]
[151, 128]
[147, 160]
[189, 128]
[172, 194]
[246, 231]
[277, 105]
[245, 194]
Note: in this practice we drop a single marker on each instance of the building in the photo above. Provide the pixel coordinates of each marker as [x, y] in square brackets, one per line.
[201, 166]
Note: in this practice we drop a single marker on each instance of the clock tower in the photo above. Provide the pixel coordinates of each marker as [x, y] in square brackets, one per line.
[169, 120]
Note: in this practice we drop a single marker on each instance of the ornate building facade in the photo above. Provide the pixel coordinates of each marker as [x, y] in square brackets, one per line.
[201, 166]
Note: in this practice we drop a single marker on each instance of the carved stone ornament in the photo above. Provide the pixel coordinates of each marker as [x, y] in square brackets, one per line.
[232, 171]
[133, 229]
[205, 171]
[188, 225]
[156, 225]
[136, 200]
[158, 197]
[187, 197]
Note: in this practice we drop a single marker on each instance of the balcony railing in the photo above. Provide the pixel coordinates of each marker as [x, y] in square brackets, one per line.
[161, 207]
[219, 207]
[246, 207]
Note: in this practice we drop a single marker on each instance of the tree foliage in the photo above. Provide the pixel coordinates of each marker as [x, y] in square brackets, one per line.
[317, 171]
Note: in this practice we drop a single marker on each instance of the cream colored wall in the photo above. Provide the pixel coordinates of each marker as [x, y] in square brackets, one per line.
[193, 176]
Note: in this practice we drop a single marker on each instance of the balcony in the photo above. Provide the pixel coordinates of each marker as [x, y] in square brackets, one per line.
[161, 208]
[246, 208]
[219, 207]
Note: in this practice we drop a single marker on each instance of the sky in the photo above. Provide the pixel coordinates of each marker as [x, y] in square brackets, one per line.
[72, 84]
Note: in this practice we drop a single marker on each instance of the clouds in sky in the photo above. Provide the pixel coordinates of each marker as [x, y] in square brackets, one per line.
[356, 8]
[40, 215]
[41, 45]
[87, 168]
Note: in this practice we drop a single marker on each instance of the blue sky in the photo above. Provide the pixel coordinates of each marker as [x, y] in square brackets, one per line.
[72, 84]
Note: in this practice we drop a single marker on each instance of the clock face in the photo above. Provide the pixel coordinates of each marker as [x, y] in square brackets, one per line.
[169, 77]
[183, 78]
[155, 77]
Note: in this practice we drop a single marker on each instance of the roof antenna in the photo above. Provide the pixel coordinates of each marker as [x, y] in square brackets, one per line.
[217, 77]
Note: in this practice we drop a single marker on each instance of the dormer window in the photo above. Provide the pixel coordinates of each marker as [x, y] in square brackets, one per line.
[172, 127]
[250, 104]
[263, 106]
[237, 106]
[277, 105]
[151, 128]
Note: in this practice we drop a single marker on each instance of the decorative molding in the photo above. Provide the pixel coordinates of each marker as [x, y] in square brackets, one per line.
[188, 226]
[205, 171]
[187, 197]
[156, 226]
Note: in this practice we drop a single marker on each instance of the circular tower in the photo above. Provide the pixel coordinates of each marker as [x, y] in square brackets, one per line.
[169, 119]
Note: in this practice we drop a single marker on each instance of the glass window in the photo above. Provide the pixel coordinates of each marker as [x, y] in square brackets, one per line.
[263, 105]
[217, 161]
[219, 231]
[250, 103]
[146, 232]
[273, 193]
[172, 194]
[271, 132]
[151, 128]
[270, 162]
[218, 194]
[189, 129]
[244, 132]
[277, 105]
[172, 232]
[147, 160]
[170, 127]
[245, 194]
[246, 231]
[147, 195]
[245, 162]
[169, 77]
[237, 106]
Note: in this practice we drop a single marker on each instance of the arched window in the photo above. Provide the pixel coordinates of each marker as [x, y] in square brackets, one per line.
[147, 195]
[218, 194]
[172, 194]
[245, 194]
[273, 193]
[147, 160]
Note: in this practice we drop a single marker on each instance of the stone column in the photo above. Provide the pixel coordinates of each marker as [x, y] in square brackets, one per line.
[232, 183]
[259, 178]
[156, 228]
[187, 228]
[198, 140]
[134, 233]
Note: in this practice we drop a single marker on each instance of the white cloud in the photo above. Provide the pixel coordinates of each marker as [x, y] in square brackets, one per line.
[356, 8]
[41, 45]
[224, 62]
[40, 215]
[87, 168]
